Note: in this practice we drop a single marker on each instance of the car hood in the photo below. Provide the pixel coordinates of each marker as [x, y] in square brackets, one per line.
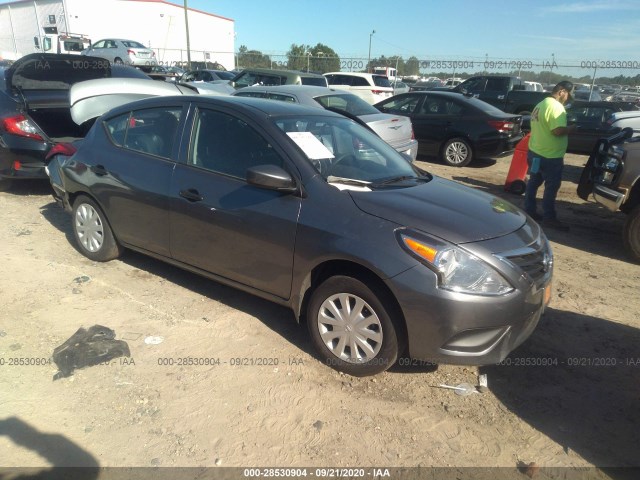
[51, 71]
[92, 98]
[445, 209]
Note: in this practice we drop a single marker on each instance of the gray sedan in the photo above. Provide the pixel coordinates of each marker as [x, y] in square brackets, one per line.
[311, 210]
[118, 50]
[396, 130]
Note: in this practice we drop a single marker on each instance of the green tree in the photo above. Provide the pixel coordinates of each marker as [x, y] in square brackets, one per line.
[252, 58]
[412, 66]
[320, 59]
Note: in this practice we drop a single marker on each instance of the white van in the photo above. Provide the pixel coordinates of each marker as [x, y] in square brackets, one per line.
[370, 87]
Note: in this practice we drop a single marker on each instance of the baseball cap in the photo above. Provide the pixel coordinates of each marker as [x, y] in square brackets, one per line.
[566, 85]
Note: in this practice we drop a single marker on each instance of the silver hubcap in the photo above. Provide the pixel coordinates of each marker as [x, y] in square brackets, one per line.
[89, 228]
[457, 152]
[350, 328]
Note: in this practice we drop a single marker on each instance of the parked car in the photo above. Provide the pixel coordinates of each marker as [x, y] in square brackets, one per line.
[265, 76]
[425, 85]
[374, 254]
[625, 119]
[612, 176]
[454, 127]
[399, 87]
[34, 108]
[370, 87]
[118, 50]
[393, 129]
[593, 119]
[206, 76]
[160, 72]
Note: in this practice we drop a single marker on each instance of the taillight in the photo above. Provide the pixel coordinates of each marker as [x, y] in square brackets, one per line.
[502, 126]
[22, 127]
[66, 149]
[377, 92]
[131, 52]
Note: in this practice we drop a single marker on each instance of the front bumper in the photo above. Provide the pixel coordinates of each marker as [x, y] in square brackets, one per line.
[611, 199]
[456, 328]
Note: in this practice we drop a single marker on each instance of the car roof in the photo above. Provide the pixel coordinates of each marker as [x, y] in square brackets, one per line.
[310, 90]
[280, 72]
[357, 74]
[248, 104]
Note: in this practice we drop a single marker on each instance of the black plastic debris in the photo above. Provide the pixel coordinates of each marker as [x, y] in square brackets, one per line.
[86, 348]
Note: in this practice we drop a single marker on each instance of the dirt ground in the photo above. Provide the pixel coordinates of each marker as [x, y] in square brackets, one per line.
[568, 397]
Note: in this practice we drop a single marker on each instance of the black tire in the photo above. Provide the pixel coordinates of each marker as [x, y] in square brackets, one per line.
[518, 187]
[376, 347]
[118, 61]
[631, 233]
[92, 231]
[457, 152]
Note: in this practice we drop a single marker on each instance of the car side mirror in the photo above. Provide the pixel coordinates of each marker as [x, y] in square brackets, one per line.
[271, 177]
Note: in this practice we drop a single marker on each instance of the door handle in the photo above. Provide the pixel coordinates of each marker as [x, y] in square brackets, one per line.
[99, 170]
[192, 195]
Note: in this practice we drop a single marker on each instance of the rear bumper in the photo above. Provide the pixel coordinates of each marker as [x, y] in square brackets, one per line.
[498, 146]
[22, 158]
[409, 148]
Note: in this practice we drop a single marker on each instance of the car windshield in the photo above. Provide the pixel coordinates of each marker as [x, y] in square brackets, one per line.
[343, 151]
[348, 103]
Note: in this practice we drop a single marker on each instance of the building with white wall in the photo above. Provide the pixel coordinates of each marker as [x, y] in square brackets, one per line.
[157, 24]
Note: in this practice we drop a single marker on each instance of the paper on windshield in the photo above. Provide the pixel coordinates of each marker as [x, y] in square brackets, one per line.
[310, 145]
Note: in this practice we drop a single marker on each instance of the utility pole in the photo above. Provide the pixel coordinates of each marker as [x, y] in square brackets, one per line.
[369, 62]
[186, 24]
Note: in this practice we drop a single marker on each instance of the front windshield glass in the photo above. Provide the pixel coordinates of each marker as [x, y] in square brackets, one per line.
[342, 150]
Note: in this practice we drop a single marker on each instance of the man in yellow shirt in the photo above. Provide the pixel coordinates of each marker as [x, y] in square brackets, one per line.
[547, 147]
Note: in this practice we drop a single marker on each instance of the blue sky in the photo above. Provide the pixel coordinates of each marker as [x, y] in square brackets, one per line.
[574, 31]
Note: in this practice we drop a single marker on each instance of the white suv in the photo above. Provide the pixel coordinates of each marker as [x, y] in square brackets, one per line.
[371, 87]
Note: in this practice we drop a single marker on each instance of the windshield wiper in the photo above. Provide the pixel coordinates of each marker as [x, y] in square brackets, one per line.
[348, 181]
[401, 178]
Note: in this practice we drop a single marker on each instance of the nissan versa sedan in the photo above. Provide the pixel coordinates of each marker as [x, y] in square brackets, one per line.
[454, 127]
[281, 200]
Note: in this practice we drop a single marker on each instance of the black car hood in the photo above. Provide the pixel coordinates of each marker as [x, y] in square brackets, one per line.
[445, 209]
[52, 71]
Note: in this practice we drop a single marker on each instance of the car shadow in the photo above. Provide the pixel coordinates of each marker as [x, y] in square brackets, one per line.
[475, 163]
[593, 228]
[593, 365]
[67, 459]
[29, 187]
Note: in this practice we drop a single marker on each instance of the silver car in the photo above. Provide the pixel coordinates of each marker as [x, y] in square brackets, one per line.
[396, 130]
[118, 50]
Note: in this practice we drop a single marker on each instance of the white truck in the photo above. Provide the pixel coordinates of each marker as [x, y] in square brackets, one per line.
[61, 42]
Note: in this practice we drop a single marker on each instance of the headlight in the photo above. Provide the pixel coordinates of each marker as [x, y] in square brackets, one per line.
[457, 270]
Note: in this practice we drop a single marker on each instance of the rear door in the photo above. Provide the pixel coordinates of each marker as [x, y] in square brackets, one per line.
[220, 223]
[131, 176]
[431, 122]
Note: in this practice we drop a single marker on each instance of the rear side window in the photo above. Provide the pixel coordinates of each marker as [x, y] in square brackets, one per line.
[316, 81]
[359, 82]
[250, 94]
[150, 131]
[129, 44]
[400, 105]
[282, 97]
[497, 84]
[380, 81]
[339, 79]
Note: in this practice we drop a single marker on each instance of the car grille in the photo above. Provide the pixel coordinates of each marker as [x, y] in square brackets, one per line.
[535, 262]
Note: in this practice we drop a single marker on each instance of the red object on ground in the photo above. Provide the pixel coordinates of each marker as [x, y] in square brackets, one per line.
[515, 182]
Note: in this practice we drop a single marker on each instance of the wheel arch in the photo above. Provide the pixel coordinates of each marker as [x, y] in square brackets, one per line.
[352, 269]
[634, 197]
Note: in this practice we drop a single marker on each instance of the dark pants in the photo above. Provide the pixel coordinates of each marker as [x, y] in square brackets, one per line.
[550, 173]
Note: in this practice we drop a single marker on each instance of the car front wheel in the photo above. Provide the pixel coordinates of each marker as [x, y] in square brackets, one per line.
[457, 153]
[92, 231]
[631, 233]
[351, 327]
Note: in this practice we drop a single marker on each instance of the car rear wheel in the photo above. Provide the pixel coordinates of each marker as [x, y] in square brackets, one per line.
[631, 233]
[351, 327]
[92, 231]
[457, 152]
[118, 61]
